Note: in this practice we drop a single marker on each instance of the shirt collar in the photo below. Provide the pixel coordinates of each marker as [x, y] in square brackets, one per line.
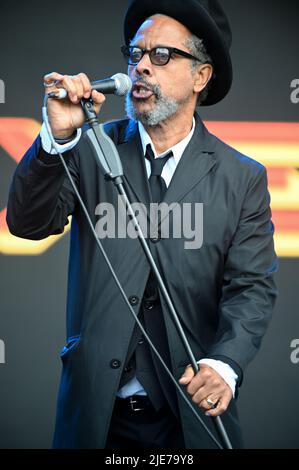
[177, 149]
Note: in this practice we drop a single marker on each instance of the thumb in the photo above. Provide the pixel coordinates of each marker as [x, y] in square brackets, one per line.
[98, 99]
[187, 376]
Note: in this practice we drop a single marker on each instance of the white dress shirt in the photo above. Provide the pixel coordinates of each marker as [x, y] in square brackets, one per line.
[134, 387]
[47, 144]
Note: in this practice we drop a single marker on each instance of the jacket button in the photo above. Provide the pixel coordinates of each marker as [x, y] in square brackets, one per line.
[115, 364]
[134, 300]
[141, 341]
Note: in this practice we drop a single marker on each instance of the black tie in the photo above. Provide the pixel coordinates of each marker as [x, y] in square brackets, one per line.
[156, 182]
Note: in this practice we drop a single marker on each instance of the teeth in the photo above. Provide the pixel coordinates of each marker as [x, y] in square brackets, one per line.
[144, 91]
[142, 88]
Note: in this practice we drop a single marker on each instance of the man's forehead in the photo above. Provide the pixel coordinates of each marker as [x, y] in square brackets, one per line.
[161, 26]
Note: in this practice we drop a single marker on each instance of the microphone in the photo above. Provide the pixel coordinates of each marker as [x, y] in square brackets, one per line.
[119, 84]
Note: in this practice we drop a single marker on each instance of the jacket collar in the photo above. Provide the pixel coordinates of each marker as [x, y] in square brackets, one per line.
[196, 162]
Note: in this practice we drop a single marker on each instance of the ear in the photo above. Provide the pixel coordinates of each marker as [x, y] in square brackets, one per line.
[202, 77]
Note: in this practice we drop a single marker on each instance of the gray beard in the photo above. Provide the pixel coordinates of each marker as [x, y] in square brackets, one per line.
[163, 110]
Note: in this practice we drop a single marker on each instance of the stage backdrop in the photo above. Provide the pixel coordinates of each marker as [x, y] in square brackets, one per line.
[260, 117]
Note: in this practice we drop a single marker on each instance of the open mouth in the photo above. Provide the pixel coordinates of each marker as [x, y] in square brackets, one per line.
[141, 91]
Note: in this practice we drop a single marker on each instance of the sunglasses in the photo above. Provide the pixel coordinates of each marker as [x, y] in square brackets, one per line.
[160, 55]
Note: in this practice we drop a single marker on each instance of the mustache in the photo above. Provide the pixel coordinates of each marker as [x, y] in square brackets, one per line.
[155, 89]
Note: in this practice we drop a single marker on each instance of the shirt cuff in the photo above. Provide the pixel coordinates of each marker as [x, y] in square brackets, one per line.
[47, 144]
[224, 370]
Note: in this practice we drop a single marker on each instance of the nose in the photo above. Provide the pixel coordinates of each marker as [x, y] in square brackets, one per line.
[144, 66]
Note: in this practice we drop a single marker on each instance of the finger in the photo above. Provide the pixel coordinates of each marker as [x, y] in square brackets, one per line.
[221, 406]
[52, 77]
[205, 377]
[207, 391]
[50, 81]
[98, 99]
[68, 83]
[79, 86]
[207, 403]
[86, 85]
[214, 387]
[187, 376]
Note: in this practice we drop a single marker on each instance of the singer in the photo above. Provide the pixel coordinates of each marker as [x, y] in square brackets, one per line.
[113, 392]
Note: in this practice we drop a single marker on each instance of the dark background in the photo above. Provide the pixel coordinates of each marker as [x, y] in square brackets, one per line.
[70, 37]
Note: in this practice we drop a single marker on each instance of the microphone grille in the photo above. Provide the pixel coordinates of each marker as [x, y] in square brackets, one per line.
[123, 84]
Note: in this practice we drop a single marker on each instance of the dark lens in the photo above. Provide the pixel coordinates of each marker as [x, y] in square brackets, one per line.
[135, 55]
[160, 55]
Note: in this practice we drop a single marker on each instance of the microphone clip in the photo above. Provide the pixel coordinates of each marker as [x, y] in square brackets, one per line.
[91, 116]
[102, 147]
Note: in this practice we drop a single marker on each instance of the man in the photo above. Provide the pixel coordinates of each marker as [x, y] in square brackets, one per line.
[113, 390]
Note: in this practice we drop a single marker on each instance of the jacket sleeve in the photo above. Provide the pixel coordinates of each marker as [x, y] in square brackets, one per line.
[41, 198]
[248, 289]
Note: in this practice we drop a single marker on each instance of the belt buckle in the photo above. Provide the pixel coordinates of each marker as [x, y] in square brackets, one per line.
[133, 407]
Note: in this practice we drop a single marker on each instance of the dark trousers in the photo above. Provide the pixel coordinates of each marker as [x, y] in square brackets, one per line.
[145, 428]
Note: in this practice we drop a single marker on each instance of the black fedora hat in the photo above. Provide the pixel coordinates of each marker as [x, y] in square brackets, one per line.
[204, 18]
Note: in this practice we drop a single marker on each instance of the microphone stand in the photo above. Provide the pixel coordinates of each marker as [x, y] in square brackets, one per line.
[109, 162]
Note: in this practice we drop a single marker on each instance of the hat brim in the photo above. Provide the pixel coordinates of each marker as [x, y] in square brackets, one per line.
[196, 18]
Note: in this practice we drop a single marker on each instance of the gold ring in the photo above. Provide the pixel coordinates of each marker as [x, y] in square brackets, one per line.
[211, 403]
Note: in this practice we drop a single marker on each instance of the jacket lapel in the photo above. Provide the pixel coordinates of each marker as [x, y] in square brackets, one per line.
[196, 162]
[130, 151]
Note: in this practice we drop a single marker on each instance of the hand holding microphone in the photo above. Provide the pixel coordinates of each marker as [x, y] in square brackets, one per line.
[65, 111]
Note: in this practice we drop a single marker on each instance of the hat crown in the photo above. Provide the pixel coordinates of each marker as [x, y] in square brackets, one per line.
[217, 13]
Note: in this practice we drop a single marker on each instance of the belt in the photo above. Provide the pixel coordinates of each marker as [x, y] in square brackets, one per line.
[135, 403]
